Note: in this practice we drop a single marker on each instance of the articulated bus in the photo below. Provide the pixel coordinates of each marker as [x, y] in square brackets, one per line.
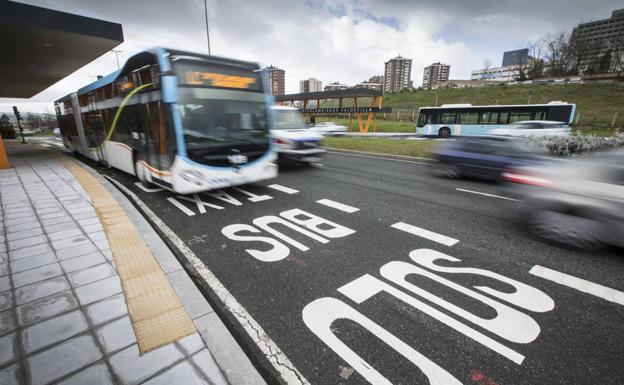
[179, 120]
[466, 119]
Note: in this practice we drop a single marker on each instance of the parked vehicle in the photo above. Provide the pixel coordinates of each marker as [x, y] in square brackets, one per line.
[534, 128]
[292, 138]
[484, 157]
[578, 203]
[328, 127]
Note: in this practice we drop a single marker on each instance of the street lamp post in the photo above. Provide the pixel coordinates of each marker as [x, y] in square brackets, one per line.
[207, 32]
[116, 51]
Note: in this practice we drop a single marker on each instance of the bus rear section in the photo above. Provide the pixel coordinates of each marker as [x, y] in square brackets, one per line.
[465, 119]
[178, 120]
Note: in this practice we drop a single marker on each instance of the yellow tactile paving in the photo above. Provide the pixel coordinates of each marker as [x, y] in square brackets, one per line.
[157, 314]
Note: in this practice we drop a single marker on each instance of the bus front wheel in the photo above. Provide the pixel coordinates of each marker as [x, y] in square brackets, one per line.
[444, 132]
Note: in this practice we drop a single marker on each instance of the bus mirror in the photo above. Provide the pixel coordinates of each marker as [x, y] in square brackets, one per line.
[169, 86]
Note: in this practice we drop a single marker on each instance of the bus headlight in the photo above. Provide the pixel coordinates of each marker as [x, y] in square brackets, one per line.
[192, 176]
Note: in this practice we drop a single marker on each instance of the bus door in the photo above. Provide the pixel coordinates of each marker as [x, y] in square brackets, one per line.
[158, 139]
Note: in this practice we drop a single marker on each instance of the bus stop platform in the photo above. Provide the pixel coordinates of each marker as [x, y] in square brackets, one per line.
[90, 294]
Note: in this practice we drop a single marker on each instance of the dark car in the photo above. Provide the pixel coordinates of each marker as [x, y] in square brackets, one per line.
[484, 157]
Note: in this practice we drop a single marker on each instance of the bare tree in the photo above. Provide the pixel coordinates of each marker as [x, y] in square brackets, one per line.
[617, 49]
[558, 54]
[535, 68]
[487, 64]
[580, 54]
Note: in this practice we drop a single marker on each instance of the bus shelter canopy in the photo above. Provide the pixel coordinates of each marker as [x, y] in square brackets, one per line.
[41, 46]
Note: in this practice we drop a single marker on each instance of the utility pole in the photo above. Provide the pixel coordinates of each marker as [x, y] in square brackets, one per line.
[530, 92]
[116, 51]
[18, 116]
[207, 33]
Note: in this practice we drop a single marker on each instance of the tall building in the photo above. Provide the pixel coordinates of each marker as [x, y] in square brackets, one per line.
[275, 80]
[502, 74]
[376, 79]
[310, 85]
[517, 57]
[435, 74]
[398, 73]
[599, 43]
[335, 86]
[370, 85]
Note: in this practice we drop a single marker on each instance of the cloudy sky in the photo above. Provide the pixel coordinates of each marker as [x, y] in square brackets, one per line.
[346, 41]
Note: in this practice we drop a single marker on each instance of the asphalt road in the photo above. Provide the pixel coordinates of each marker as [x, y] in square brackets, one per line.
[453, 303]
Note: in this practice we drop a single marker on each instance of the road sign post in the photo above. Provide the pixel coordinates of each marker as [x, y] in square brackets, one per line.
[18, 116]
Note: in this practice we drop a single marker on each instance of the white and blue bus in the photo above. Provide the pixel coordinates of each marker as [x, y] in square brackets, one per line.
[466, 119]
[183, 121]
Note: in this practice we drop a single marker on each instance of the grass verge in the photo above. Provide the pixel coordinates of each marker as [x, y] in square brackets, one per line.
[419, 148]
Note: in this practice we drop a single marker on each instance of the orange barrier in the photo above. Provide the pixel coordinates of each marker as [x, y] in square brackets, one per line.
[4, 161]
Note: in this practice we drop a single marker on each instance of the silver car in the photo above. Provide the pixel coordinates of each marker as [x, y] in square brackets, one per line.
[578, 203]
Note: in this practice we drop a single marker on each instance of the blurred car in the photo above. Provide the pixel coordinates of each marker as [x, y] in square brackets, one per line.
[578, 203]
[484, 157]
[57, 132]
[328, 127]
[292, 139]
[533, 128]
[28, 132]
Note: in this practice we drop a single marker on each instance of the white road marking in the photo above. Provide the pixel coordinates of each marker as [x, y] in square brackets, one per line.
[383, 158]
[149, 190]
[273, 353]
[430, 235]
[486, 194]
[283, 189]
[579, 284]
[179, 205]
[338, 206]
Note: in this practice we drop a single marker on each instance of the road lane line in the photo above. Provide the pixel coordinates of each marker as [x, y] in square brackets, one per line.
[281, 363]
[486, 194]
[179, 205]
[283, 189]
[382, 158]
[579, 284]
[338, 206]
[430, 235]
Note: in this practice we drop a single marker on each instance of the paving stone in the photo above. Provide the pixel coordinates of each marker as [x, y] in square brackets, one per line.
[22, 264]
[53, 215]
[132, 368]
[4, 269]
[22, 226]
[6, 300]
[27, 242]
[91, 274]
[191, 344]
[70, 242]
[24, 234]
[106, 310]
[45, 367]
[89, 221]
[19, 221]
[41, 289]
[61, 227]
[98, 374]
[102, 244]
[45, 308]
[56, 221]
[4, 257]
[7, 322]
[85, 215]
[10, 375]
[54, 330]
[98, 290]
[92, 228]
[182, 373]
[5, 283]
[192, 299]
[8, 348]
[37, 274]
[67, 233]
[85, 261]
[116, 335]
[97, 236]
[209, 367]
[30, 251]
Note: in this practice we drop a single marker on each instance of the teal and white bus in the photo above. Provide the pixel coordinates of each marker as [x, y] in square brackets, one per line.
[466, 119]
[183, 121]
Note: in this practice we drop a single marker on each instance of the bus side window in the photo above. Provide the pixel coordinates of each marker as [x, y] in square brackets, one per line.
[503, 118]
[448, 118]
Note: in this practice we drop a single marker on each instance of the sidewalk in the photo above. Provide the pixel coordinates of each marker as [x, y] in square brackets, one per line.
[89, 294]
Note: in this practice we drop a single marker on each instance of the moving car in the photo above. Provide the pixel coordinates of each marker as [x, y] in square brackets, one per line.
[534, 128]
[484, 157]
[328, 127]
[292, 139]
[578, 203]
